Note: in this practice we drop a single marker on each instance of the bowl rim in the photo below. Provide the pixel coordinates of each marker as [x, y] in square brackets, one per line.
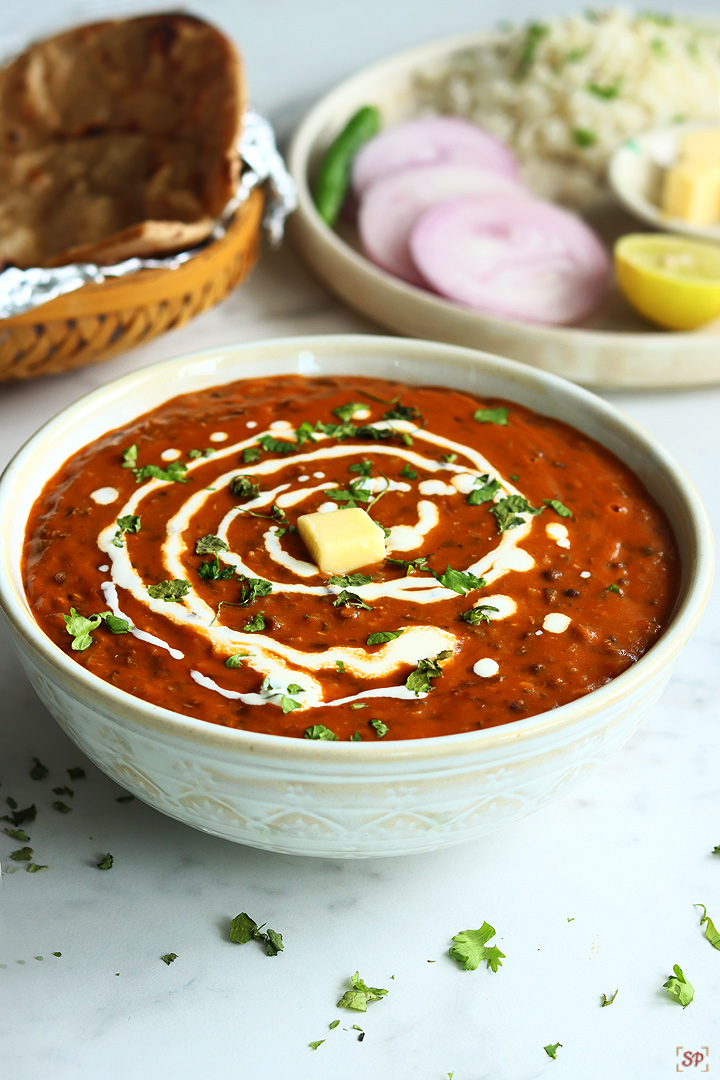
[128, 710]
[299, 153]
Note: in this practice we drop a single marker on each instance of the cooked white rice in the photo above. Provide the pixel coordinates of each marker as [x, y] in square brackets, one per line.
[564, 93]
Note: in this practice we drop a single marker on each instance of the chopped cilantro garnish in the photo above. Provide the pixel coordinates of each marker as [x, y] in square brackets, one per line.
[314, 1045]
[33, 868]
[362, 467]
[76, 773]
[346, 412]
[614, 588]
[11, 802]
[583, 137]
[381, 729]
[710, 932]
[350, 599]
[506, 512]
[606, 92]
[340, 667]
[64, 791]
[173, 473]
[244, 487]
[22, 854]
[497, 416]
[276, 446]
[305, 433]
[409, 473]
[212, 571]
[403, 412]
[552, 1049]
[80, 629]
[418, 681]
[333, 1024]
[210, 545]
[558, 507]
[358, 705]
[679, 988]
[485, 489]
[129, 523]
[337, 431]
[19, 817]
[471, 948]
[608, 1000]
[250, 454]
[114, 624]
[244, 929]
[106, 863]
[16, 834]
[534, 33]
[169, 957]
[321, 733]
[129, 457]
[38, 771]
[287, 704]
[356, 737]
[349, 579]
[236, 660]
[207, 452]
[478, 614]
[450, 458]
[459, 581]
[355, 492]
[409, 565]
[61, 807]
[293, 688]
[252, 588]
[382, 636]
[171, 592]
[255, 624]
[360, 995]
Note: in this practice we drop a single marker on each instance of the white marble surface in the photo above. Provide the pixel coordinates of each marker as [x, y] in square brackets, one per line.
[625, 857]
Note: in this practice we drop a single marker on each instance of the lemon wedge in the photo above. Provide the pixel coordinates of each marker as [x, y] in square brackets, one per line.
[671, 280]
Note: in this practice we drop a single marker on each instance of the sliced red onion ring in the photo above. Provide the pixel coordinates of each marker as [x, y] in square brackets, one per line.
[517, 258]
[436, 140]
[390, 209]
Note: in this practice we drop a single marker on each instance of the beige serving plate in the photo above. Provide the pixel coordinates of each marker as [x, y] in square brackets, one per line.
[614, 348]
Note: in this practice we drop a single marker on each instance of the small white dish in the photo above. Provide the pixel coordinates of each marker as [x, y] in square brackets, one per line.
[345, 799]
[636, 171]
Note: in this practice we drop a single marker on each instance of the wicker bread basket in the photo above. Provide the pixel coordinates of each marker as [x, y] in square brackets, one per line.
[98, 321]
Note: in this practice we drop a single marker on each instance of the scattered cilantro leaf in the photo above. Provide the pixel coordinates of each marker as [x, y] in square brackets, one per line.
[254, 625]
[80, 629]
[320, 733]
[380, 729]
[11, 802]
[409, 473]
[211, 570]
[710, 932]
[403, 412]
[314, 1045]
[497, 416]
[210, 545]
[337, 431]
[252, 588]
[106, 863]
[350, 599]
[552, 1049]
[484, 491]
[604, 92]
[383, 635]
[360, 995]
[129, 457]
[471, 948]
[679, 988]
[19, 817]
[207, 452]
[64, 791]
[349, 579]
[168, 958]
[584, 137]
[534, 33]
[38, 771]
[173, 473]
[333, 1024]
[450, 458]
[16, 834]
[459, 581]
[23, 854]
[614, 588]
[608, 1000]
[61, 807]
[558, 507]
[409, 565]
[356, 737]
[33, 868]
[129, 523]
[506, 512]
[244, 929]
[478, 614]
[364, 468]
[250, 454]
[358, 705]
[236, 660]
[716, 850]
[340, 667]
[305, 433]
[276, 446]
[76, 773]
[346, 412]
[273, 942]
[244, 487]
[171, 592]
[418, 681]
[115, 624]
[287, 704]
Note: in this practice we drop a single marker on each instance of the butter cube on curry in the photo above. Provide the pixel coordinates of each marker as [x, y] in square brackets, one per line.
[342, 541]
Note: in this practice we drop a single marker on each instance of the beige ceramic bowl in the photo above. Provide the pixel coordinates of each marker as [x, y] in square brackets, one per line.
[615, 347]
[347, 800]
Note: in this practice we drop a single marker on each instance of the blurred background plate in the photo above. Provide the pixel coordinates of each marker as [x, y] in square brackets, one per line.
[615, 347]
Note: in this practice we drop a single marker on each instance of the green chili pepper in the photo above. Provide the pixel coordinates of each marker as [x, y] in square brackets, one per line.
[334, 173]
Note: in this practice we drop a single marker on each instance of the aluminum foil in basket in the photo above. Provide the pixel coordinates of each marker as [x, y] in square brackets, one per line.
[23, 290]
